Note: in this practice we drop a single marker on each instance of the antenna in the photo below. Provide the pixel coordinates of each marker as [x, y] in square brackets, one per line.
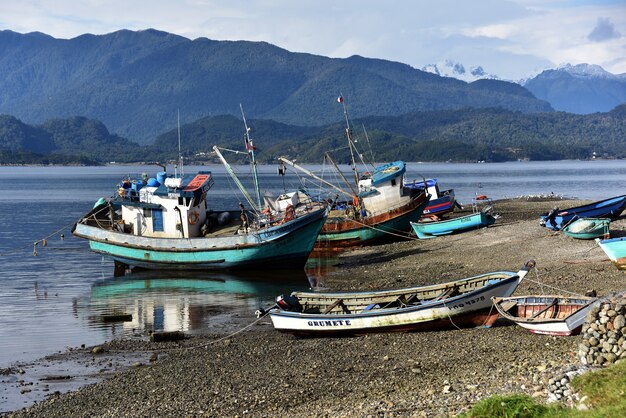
[250, 148]
[350, 141]
[180, 157]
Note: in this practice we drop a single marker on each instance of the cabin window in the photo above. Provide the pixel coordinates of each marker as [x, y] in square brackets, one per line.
[180, 200]
[147, 213]
[393, 182]
[157, 220]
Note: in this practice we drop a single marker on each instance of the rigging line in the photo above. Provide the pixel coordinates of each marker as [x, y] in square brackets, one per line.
[406, 236]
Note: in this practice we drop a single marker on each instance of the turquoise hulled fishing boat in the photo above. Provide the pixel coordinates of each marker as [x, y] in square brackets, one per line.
[167, 223]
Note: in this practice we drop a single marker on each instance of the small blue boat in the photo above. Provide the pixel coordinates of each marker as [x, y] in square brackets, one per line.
[425, 230]
[557, 219]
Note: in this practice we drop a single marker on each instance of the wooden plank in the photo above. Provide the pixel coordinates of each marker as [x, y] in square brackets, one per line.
[333, 306]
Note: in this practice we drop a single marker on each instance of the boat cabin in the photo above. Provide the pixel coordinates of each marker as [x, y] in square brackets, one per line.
[166, 207]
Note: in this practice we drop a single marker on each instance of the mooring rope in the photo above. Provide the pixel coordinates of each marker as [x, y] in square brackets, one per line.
[150, 350]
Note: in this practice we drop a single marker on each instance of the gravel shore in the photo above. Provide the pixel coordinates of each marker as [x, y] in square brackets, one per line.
[260, 372]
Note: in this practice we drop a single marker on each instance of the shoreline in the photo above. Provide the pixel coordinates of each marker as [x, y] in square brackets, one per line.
[261, 372]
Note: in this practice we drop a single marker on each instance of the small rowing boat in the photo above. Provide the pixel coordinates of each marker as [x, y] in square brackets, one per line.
[588, 228]
[461, 303]
[432, 229]
[549, 315]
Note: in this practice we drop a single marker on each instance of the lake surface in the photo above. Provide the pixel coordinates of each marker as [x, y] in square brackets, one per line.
[61, 297]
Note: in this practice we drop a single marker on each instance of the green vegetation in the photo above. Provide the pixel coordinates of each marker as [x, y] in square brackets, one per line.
[515, 406]
[603, 392]
[462, 135]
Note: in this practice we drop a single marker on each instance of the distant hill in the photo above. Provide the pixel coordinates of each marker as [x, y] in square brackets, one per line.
[74, 140]
[135, 81]
[441, 135]
[579, 88]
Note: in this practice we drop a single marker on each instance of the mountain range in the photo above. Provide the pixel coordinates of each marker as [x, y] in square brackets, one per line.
[134, 82]
[581, 88]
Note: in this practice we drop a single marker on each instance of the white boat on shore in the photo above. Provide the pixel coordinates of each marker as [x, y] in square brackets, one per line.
[461, 303]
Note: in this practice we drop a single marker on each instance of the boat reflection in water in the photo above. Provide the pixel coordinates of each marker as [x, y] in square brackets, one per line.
[192, 302]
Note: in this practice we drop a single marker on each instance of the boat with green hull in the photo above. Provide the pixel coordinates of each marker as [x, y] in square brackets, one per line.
[588, 228]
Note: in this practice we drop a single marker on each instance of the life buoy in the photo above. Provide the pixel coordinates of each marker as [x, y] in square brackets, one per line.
[290, 213]
[193, 218]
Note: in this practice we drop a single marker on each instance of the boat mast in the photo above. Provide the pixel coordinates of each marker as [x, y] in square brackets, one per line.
[250, 149]
[234, 176]
[180, 157]
[327, 155]
[350, 142]
[307, 172]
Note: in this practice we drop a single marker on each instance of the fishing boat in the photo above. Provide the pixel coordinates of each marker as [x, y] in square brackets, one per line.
[588, 228]
[167, 223]
[557, 219]
[441, 202]
[461, 303]
[549, 315]
[615, 249]
[433, 229]
[372, 207]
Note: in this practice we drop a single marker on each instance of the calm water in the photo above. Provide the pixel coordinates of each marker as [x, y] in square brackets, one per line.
[60, 298]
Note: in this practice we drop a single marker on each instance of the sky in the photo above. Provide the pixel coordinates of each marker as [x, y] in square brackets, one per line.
[513, 39]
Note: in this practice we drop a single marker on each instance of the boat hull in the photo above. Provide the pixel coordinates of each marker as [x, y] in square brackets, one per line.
[284, 247]
[588, 228]
[546, 315]
[441, 206]
[608, 208]
[470, 309]
[425, 230]
[615, 249]
[345, 232]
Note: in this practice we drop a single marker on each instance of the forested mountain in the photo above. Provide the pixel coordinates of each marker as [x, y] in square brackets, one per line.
[134, 82]
[442, 135]
[74, 140]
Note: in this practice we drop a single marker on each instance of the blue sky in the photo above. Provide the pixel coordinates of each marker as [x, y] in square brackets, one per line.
[510, 38]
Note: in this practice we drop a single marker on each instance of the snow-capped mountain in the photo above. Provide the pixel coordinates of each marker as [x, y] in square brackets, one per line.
[589, 71]
[449, 68]
[581, 88]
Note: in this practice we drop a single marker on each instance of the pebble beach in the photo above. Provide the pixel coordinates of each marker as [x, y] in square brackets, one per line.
[262, 373]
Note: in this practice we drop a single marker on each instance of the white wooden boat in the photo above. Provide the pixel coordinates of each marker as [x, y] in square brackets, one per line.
[550, 315]
[461, 303]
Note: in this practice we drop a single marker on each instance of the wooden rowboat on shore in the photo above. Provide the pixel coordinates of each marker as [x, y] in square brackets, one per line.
[549, 315]
[461, 303]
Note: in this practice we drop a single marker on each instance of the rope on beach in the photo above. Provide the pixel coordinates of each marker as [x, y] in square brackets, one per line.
[150, 350]
[461, 329]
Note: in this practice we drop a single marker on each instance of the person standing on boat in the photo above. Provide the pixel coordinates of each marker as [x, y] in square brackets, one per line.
[244, 218]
